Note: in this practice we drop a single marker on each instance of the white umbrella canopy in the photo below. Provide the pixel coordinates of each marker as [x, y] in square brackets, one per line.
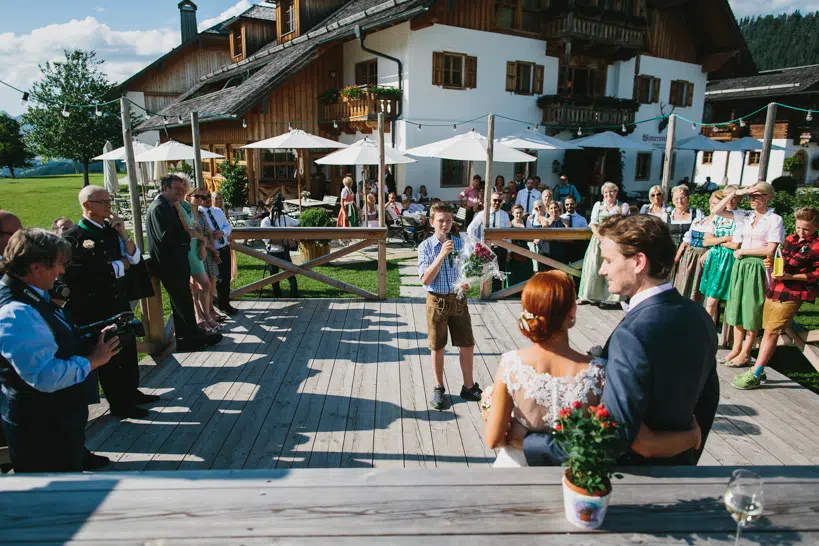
[700, 143]
[119, 153]
[534, 140]
[470, 146]
[611, 140]
[364, 152]
[749, 144]
[109, 169]
[295, 139]
[173, 151]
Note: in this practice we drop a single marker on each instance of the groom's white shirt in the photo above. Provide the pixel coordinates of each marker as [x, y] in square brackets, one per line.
[639, 297]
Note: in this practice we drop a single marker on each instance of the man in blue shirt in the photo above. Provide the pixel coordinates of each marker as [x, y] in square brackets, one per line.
[564, 190]
[43, 401]
[438, 269]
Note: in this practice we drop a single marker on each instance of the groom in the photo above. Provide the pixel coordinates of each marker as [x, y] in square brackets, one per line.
[661, 358]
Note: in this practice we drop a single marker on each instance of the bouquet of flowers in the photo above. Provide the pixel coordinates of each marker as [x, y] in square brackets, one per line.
[476, 264]
[305, 194]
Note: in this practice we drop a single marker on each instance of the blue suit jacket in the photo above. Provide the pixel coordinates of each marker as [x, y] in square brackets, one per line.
[661, 370]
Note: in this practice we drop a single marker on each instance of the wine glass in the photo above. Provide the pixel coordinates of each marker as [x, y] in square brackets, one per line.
[743, 499]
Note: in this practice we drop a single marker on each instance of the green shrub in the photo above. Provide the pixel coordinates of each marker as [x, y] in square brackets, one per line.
[387, 93]
[316, 217]
[792, 164]
[234, 187]
[184, 168]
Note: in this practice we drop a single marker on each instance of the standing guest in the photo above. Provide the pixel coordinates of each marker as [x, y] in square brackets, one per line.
[61, 224]
[656, 206]
[200, 241]
[540, 218]
[564, 190]
[526, 198]
[350, 214]
[389, 180]
[788, 291]
[508, 201]
[438, 271]
[593, 286]
[220, 227]
[512, 188]
[497, 219]
[571, 218]
[546, 197]
[519, 267]
[500, 183]
[43, 365]
[759, 231]
[9, 225]
[688, 262]
[101, 254]
[681, 217]
[560, 251]
[718, 263]
[371, 211]
[520, 183]
[471, 198]
[281, 249]
[422, 198]
[169, 243]
[218, 202]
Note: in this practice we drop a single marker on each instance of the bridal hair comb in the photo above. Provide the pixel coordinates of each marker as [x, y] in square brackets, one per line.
[525, 317]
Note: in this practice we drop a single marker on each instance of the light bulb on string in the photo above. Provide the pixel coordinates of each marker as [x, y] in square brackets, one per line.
[24, 100]
[694, 126]
[742, 122]
[382, 105]
[97, 111]
[623, 128]
[389, 107]
[335, 124]
[419, 127]
[537, 127]
[65, 112]
[579, 131]
[244, 123]
[454, 127]
[289, 127]
[180, 120]
[809, 117]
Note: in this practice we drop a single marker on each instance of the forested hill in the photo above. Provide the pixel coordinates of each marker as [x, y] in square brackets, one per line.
[780, 41]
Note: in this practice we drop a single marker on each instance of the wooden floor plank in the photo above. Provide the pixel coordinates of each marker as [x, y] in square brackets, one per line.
[388, 437]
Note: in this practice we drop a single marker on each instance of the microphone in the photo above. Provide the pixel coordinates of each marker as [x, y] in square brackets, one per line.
[450, 259]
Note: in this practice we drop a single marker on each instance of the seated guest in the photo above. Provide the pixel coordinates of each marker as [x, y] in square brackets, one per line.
[408, 194]
[258, 214]
[43, 361]
[520, 183]
[411, 208]
[421, 197]
[508, 201]
[61, 225]
[512, 188]
[500, 183]
[393, 209]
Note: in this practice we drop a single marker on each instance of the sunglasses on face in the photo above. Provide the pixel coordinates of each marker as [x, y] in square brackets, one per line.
[201, 196]
[756, 196]
[496, 200]
[101, 201]
[656, 194]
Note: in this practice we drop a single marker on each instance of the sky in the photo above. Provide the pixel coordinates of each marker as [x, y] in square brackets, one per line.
[130, 35]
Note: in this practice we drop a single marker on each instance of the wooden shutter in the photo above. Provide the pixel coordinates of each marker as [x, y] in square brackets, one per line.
[656, 82]
[675, 89]
[638, 87]
[471, 81]
[511, 76]
[538, 88]
[437, 68]
[689, 94]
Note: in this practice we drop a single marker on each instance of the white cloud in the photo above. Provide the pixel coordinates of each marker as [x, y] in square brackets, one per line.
[743, 8]
[238, 8]
[99, 9]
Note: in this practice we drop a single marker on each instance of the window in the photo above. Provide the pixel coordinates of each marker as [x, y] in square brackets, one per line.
[366, 73]
[579, 81]
[453, 173]
[454, 70]
[646, 89]
[221, 150]
[278, 166]
[643, 170]
[236, 44]
[524, 78]
[206, 166]
[707, 158]
[238, 155]
[753, 158]
[523, 15]
[288, 16]
[682, 93]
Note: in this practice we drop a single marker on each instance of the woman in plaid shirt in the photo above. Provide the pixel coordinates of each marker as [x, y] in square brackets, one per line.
[787, 292]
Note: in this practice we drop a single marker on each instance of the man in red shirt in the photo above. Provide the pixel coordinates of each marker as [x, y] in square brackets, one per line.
[787, 291]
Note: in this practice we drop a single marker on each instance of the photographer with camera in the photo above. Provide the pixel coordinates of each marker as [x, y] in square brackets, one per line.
[280, 249]
[43, 366]
[102, 253]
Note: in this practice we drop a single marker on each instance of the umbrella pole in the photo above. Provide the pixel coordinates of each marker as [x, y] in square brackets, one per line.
[694, 168]
[742, 169]
[727, 164]
[298, 176]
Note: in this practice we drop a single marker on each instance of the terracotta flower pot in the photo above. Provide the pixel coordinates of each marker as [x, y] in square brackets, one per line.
[584, 509]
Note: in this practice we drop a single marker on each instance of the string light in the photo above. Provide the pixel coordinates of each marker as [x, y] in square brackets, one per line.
[335, 125]
[382, 105]
[579, 131]
[65, 111]
[809, 117]
[623, 128]
[289, 126]
[454, 127]
[97, 111]
[419, 127]
[694, 126]
[389, 107]
[244, 123]
[24, 100]
[179, 119]
[742, 122]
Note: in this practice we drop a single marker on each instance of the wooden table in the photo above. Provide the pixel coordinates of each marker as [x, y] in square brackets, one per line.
[306, 203]
[387, 506]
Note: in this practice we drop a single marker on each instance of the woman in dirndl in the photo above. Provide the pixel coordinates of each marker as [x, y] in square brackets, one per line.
[688, 262]
[349, 214]
[593, 287]
[519, 267]
[719, 260]
[656, 206]
[759, 231]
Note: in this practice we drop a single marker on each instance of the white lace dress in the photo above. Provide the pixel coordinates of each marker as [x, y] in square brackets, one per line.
[539, 397]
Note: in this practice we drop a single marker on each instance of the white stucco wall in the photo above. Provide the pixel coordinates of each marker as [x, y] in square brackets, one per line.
[148, 137]
[716, 170]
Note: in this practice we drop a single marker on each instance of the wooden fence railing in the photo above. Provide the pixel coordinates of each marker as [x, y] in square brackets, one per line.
[501, 236]
[362, 237]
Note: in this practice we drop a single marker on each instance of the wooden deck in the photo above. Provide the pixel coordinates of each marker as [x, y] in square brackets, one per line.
[345, 383]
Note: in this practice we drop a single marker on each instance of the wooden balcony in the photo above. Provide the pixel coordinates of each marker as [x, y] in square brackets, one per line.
[576, 27]
[354, 115]
[566, 113]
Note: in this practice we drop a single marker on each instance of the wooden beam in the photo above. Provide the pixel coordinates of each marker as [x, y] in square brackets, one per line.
[197, 151]
[486, 286]
[767, 142]
[538, 258]
[506, 292]
[544, 234]
[809, 351]
[308, 233]
[382, 245]
[669, 154]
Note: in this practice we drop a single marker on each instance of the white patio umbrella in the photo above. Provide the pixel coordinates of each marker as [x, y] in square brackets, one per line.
[700, 143]
[119, 153]
[109, 169]
[745, 145]
[297, 140]
[470, 146]
[173, 151]
[534, 140]
[612, 141]
[364, 152]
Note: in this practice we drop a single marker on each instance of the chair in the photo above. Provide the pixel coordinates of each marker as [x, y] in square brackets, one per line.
[460, 218]
[331, 204]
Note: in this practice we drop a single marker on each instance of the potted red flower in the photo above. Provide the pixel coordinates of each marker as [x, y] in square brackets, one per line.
[590, 439]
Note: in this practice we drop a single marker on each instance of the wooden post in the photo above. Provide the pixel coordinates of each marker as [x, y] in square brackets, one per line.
[486, 286]
[744, 156]
[298, 176]
[767, 141]
[727, 164]
[197, 150]
[382, 244]
[669, 151]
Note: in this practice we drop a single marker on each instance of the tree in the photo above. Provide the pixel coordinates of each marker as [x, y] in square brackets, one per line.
[77, 80]
[13, 151]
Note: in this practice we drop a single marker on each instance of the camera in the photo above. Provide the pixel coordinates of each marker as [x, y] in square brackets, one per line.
[60, 291]
[124, 323]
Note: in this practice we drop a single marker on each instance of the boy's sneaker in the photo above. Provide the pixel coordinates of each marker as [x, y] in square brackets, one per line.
[437, 401]
[472, 394]
[747, 380]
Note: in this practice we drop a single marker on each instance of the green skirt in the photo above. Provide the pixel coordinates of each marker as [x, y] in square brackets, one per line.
[716, 273]
[746, 298]
[593, 286]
